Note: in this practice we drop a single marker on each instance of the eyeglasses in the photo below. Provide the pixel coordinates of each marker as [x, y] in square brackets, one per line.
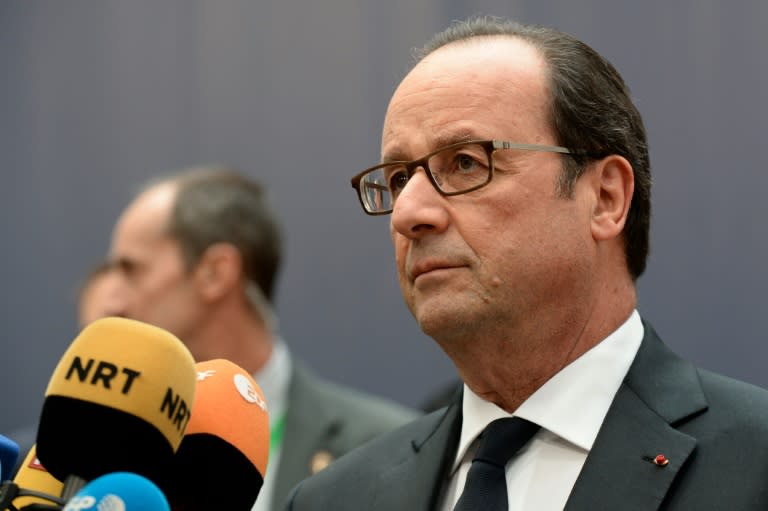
[452, 170]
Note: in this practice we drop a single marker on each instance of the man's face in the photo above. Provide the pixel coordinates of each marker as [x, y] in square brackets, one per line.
[155, 286]
[497, 260]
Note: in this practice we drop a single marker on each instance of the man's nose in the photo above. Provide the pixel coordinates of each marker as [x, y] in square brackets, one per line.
[419, 208]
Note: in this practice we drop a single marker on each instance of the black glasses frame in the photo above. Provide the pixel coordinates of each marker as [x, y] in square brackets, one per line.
[490, 146]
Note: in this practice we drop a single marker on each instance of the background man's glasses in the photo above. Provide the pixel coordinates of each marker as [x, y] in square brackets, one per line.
[452, 170]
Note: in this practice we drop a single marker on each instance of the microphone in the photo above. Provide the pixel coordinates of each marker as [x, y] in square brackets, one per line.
[119, 491]
[222, 460]
[33, 486]
[9, 454]
[118, 401]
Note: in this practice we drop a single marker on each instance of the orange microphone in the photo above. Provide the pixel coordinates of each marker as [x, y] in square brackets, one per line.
[118, 400]
[222, 460]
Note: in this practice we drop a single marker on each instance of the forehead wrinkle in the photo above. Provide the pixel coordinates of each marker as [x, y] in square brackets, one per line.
[457, 126]
[448, 137]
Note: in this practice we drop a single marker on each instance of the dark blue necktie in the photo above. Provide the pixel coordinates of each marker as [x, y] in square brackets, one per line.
[486, 486]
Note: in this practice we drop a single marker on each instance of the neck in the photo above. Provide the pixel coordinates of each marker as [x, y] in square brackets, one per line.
[508, 366]
[239, 337]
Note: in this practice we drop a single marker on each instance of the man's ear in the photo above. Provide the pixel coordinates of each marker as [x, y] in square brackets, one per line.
[614, 184]
[219, 271]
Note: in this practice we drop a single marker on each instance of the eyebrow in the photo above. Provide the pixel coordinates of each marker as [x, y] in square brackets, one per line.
[123, 263]
[453, 138]
[442, 140]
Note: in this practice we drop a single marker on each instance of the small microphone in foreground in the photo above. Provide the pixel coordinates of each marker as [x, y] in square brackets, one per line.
[9, 455]
[119, 491]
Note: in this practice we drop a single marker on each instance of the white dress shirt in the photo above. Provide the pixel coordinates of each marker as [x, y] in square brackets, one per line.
[274, 380]
[570, 408]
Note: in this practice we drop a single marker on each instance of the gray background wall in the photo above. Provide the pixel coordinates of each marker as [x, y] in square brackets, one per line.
[96, 97]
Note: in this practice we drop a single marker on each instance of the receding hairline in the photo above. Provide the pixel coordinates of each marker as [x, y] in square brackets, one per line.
[493, 43]
[423, 54]
[161, 196]
[179, 180]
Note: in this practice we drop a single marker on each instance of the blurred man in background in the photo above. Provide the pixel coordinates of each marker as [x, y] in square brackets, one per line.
[198, 254]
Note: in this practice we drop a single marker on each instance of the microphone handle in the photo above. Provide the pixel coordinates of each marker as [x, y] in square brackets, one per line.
[72, 485]
[9, 491]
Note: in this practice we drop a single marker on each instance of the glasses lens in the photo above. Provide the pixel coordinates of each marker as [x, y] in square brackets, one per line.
[375, 191]
[460, 167]
[455, 169]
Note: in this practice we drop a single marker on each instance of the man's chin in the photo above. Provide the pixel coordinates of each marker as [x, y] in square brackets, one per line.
[442, 322]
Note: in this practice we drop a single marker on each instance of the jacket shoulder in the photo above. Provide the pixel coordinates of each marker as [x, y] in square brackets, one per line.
[349, 481]
[734, 402]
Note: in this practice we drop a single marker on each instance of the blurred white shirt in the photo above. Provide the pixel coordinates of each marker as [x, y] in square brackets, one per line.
[274, 380]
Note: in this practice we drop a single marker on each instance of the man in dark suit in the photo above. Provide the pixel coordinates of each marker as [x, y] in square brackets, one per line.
[197, 253]
[516, 171]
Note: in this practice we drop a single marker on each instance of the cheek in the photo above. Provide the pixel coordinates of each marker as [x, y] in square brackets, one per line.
[488, 231]
[509, 238]
[158, 286]
[400, 245]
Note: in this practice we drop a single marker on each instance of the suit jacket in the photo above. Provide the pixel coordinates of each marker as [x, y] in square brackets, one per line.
[324, 421]
[712, 429]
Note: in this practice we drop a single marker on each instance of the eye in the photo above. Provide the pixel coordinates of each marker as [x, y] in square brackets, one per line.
[397, 181]
[466, 163]
[128, 267]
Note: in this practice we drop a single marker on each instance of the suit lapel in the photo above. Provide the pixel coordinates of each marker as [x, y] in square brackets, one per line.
[619, 473]
[307, 425]
[660, 390]
[403, 486]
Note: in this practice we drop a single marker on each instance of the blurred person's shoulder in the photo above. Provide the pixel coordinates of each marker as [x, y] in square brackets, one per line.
[362, 415]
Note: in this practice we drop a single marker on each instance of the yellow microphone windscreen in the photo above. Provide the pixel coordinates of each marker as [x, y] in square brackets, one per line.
[118, 400]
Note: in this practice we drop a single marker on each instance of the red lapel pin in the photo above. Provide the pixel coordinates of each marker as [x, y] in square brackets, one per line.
[659, 460]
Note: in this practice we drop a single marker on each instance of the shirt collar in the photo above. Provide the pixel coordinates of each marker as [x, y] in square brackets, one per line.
[274, 379]
[574, 402]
